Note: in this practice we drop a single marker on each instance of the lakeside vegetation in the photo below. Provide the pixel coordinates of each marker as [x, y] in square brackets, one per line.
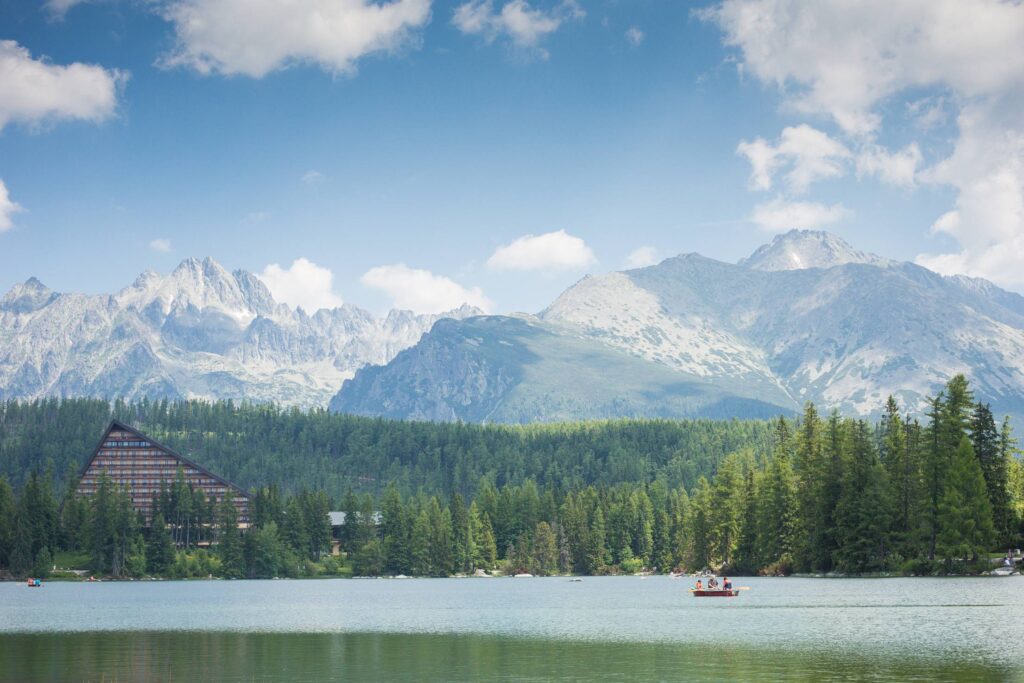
[808, 495]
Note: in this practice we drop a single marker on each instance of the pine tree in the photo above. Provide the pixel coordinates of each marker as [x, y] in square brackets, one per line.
[349, 530]
[778, 505]
[576, 529]
[43, 564]
[965, 514]
[440, 538]
[230, 546]
[462, 535]
[597, 554]
[395, 532]
[485, 546]
[727, 507]
[808, 466]
[643, 527]
[663, 560]
[545, 550]
[936, 466]
[294, 531]
[74, 520]
[7, 523]
[160, 550]
[898, 456]
[1015, 475]
[681, 534]
[420, 550]
[21, 551]
[862, 513]
[747, 559]
[995, 466]
[702, 527]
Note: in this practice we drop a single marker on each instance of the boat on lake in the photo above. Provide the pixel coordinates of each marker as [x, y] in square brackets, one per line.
[715, 592]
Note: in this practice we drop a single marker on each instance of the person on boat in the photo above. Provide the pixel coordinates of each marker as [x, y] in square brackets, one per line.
[726, 583]
[700, 586]
[38, 583]
[712, 583]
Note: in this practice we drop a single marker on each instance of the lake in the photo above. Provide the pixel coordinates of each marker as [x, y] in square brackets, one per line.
[615, 629]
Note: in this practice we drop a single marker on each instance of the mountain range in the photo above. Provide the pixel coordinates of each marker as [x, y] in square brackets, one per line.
[198, 332]
[806, 317]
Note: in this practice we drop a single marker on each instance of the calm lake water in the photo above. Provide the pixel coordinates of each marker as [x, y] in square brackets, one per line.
[621, 629]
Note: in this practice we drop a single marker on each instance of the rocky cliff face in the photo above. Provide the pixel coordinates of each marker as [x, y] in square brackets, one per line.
[806, 317]
[199, 331]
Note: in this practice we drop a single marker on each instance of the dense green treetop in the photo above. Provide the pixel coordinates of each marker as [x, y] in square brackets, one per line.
[259, 445]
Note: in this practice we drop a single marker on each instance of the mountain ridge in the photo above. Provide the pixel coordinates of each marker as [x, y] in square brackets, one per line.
[198, 332]
[845, 332]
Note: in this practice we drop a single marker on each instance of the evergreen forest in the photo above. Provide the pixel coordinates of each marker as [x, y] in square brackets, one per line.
[820, 493]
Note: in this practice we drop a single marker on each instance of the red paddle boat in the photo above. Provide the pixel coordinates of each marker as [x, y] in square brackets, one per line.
[715, 592]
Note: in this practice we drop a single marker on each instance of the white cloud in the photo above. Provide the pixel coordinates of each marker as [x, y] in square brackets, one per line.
[312, 177]
[896, 168]
[304, 284]
[779, 215]
[551, 251]
[987, 168]
[642, 257]
[807, 153]
[162, 245]
[842, 58]
[635, 37]
[8, 207]
[422, 291]
[58, 8]
[845, 59]
[517, 20]
[255, 37]
[33, 91]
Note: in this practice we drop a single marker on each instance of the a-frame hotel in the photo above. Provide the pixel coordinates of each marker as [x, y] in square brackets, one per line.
[141, 465]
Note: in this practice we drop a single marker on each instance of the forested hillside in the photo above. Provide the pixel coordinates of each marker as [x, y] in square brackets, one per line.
[811, 495]
[260, 445]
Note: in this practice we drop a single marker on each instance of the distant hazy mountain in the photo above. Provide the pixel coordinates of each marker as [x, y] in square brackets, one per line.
[198, 332]
[806, 317]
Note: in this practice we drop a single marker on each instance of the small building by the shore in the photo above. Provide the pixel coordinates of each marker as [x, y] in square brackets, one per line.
[143, 466]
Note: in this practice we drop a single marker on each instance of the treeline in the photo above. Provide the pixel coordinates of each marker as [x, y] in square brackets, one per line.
[831, 494]
[260, 445]
[189, 536]
[820, 494]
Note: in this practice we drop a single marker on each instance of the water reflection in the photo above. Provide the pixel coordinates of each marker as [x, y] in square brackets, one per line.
[183, 656]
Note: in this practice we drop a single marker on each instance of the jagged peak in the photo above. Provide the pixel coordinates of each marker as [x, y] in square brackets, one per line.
[34, 284]
[804, 249]
[31, 295]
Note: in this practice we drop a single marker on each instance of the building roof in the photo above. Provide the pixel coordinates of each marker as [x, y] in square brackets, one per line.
[117, 424]
[338, 518]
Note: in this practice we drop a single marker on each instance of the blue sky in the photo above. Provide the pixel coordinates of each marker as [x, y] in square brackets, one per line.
[412, 148]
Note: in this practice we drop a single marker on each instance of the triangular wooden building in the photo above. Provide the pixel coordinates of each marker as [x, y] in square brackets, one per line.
[142, 465]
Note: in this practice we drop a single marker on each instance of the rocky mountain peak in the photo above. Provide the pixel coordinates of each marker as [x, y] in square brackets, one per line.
[201, 284]
[27, 297]
[803, 249]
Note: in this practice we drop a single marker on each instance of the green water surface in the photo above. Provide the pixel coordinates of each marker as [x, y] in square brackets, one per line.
[610, 629]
